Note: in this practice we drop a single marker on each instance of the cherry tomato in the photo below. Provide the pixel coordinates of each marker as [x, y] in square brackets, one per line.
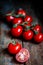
[9, 18]
[21, 12]
[23, 55]
[37, 28]
[17, 20]
[28, 35]
[14, 48]
[28, 19]
[16, 31]
[38, 37]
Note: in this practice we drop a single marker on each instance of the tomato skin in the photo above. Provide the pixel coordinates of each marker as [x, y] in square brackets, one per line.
[14, 48]
[23, 55]
[22, 12]
[38, 37]
[17, 31]
[17, 20]
[37, 28]
[9, 18]
[28, 35]
[28, 19]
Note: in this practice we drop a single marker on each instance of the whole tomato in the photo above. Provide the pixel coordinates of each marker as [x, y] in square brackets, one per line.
[28, 35]
[9, 18]
[38, 37]
[21, 12]
[37, 28]
[17, 20]
[14, 48]
[28, 19]
[16, 31]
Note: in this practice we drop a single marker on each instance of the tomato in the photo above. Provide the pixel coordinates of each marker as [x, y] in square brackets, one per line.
[21, 12]
[28, 35]
[14, 48]
[16, 31]
[23, 55]
[9, 18]
[38, 37]
[17, 20]
[28, 19]
[37, 28]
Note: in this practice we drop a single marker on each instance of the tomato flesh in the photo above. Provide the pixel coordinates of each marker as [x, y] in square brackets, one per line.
[23, 55]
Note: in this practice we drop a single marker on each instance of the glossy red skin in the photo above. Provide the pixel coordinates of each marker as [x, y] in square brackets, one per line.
[21, 11]
[17, 20]
[9, 18]
[28, 19]
[28, 35]
[38, 37]
[37, 28]
[14, 48]
[17, 31]
[26, 56]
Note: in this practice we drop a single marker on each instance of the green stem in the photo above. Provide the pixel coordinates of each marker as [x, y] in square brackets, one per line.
[14, 42]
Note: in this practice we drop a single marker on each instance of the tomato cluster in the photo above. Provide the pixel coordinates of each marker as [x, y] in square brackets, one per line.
[22, 25]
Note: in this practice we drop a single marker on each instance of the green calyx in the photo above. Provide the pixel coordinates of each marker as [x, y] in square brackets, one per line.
[15, 25]
[13, 42]
[27, 27]
[36, 32]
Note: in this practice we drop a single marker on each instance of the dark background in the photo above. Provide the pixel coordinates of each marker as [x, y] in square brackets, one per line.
[7, 5]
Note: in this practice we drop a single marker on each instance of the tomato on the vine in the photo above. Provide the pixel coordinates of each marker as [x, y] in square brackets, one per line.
[21, 12]
[28, 35]
[17, 20]
[14, 48]
[37, 28]
[17, 31]
[9, 18]
[28, 19]
[38, 37]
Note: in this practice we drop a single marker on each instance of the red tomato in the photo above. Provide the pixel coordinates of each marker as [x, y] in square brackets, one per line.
[37, 28]
[16, 31]
[21, 12]
[28, 19]
[17, 20]
[23, 55]
[38, 37]
[28, 35]
[9, 18]
[14, 48]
